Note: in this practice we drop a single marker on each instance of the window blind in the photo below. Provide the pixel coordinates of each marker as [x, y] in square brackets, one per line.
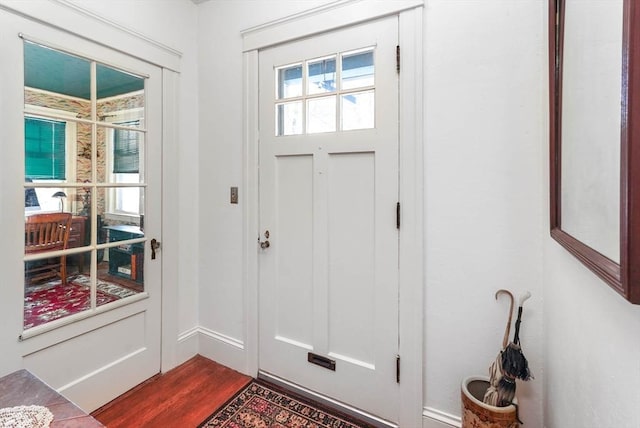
[126, 150]
[44, 149]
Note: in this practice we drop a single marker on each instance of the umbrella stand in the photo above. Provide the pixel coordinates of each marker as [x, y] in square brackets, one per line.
[477, 414]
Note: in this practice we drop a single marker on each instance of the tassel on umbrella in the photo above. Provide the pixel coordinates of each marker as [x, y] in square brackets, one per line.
[513, 362]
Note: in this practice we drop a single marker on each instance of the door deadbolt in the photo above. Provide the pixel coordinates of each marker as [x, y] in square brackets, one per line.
[265, 244]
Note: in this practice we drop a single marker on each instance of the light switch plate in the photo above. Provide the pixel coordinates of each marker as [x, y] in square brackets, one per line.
[234, 195]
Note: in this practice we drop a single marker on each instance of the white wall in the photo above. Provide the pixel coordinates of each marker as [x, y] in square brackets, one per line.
[485, 91]
[592, 354]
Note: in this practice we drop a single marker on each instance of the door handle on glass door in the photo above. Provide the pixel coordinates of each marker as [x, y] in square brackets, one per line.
[155, 245]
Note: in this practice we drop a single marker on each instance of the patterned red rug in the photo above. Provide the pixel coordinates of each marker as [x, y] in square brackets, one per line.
[260, 405]
[52, 300]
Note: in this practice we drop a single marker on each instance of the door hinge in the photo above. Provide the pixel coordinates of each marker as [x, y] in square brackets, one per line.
[398, 215]
[398, 368]
[398, 58]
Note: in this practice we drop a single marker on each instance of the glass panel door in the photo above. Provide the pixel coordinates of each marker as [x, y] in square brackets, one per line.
[84, 186]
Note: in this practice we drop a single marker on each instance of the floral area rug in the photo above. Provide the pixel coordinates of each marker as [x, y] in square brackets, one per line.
[260, 405]
[52, 300]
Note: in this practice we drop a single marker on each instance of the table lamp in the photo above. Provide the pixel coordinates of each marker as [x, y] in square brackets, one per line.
[60, 194]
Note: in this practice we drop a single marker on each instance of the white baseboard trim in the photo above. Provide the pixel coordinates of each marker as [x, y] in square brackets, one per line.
[189, 334]
[187, 345]
[434, 418]
[222, 338]
[221, 348]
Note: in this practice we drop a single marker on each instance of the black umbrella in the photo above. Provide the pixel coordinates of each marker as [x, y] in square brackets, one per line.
[493, 395]
[514, 363]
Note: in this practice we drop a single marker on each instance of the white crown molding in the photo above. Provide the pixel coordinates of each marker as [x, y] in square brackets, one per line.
[300, 15]
[324, 18]
[70, 18]
[92, 15]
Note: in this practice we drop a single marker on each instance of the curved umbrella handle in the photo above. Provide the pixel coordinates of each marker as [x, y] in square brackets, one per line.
[505, 340]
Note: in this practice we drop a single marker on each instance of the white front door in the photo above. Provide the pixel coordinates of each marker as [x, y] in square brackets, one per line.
[328, 176]
[94, 114]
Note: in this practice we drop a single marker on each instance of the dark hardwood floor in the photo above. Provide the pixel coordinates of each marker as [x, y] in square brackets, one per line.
[182, 397]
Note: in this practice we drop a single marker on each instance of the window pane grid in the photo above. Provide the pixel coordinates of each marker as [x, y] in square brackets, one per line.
[332, 93]
[91, 117]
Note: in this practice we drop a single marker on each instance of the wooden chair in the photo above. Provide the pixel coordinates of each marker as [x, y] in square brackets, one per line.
[42, 233]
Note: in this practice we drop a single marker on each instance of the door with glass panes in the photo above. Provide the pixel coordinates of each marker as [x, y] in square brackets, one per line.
[92, 152]
[328, 305]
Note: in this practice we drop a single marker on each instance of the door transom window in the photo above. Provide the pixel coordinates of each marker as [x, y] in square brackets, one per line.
[327, 94]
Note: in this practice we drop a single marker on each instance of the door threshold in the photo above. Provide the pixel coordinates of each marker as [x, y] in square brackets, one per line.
[326, 401]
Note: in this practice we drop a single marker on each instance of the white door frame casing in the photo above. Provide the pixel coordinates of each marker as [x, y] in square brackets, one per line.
[411, 276]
